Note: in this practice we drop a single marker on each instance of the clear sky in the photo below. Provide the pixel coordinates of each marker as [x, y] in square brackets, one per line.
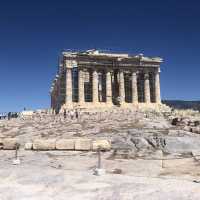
[33, 33]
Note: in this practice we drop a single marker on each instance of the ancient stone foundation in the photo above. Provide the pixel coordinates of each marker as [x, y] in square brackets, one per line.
[73, 144]
[93, 79]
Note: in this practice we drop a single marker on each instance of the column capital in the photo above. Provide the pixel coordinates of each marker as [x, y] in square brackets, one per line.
[134, 72]
[146, 75]
[70, 63]
[157, 71]
[109, 70]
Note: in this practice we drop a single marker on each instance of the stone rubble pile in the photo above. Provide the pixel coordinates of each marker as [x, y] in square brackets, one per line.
[187, 124]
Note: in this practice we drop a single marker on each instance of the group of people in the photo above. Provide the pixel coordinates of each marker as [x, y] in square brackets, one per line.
[72, 114]
[8, 115]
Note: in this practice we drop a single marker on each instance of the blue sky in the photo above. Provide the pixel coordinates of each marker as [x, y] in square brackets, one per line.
[33, 33]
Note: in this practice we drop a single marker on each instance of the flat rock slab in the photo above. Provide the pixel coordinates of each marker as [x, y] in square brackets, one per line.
[184, 144]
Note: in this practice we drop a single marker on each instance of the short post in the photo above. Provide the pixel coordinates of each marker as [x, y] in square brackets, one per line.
[162, 160]
[99, 158]
[16, 151]
[16, 161]
[99, 170]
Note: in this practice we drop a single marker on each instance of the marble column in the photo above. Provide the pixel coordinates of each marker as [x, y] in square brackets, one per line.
[157, 87]
[68, 99]
[108, 87]
[147, 98]
[81, 93]
[51, 99]
[54, 101]
[56, 95]
[95, 83]
[121, 86]
[134, 88]
[59, 92]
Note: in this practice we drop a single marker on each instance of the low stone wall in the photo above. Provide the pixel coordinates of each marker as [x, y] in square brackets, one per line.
[76, 144]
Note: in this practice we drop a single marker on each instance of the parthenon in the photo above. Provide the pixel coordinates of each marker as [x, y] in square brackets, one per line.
[99, 79]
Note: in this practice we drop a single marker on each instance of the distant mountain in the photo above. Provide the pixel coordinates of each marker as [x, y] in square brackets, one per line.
[180, 104]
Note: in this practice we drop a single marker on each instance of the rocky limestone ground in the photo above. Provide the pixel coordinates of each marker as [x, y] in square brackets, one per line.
[69, 175]
[150, 157]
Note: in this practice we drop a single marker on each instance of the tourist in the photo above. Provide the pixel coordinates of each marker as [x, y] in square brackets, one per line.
[72, 114]
[65, 114]
[9, 115]
[76, 113]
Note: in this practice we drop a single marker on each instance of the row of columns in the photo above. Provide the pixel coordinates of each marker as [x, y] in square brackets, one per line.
[147, 97]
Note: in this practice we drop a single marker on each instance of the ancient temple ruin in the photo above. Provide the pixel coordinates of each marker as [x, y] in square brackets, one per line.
[93, 79]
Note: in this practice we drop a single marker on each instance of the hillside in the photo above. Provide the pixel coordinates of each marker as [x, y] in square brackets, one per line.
[181, 104]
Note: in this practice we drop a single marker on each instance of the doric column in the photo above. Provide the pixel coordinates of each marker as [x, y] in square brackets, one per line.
[95, 83]
[147, 98]
[81, 94]
[56, 95]
[68, 99]
[51, 99]
[157, 87]
[108, 87]
[59, 91]
[134, 88]
[121, 86]
[54, 101]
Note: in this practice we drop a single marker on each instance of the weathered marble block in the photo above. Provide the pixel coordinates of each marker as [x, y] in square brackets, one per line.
[65, 144]
[28, 146]
[196, 129]
[42, 144]
[102, 144]
[9, 143]
[1, 143]
[83, 144]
